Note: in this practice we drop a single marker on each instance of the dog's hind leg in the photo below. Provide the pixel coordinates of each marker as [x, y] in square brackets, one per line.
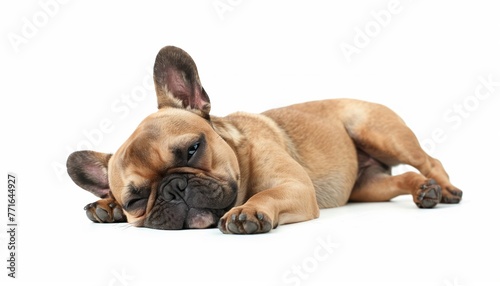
[375, 184]
[385, 138]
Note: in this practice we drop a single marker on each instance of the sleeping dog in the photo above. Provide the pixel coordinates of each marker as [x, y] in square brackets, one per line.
[248, 173]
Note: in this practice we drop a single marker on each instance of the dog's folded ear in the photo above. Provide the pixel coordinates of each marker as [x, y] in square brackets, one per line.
[177, 82]
[89, 170]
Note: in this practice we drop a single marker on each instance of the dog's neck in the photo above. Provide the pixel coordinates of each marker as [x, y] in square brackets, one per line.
[235, 132]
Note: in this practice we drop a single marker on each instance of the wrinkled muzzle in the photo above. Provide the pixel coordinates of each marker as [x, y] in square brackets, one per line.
[190, 201]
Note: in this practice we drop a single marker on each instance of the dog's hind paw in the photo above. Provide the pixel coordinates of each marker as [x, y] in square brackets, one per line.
[429, 195]
[451, 196]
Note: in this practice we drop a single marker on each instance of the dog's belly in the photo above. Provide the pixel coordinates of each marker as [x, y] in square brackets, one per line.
[323, 147]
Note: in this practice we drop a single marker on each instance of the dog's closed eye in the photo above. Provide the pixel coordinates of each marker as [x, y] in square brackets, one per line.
[137, 200]
[135, 204]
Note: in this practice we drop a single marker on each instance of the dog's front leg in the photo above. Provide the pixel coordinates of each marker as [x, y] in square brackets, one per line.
[292, 200]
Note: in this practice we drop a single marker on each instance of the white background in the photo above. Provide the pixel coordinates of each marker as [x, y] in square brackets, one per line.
[68, 67]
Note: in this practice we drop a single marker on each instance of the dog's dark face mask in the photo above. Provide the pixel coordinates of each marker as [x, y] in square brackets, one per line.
[189, 201]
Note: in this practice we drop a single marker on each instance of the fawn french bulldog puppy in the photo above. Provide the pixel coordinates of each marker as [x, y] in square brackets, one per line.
[248, 173]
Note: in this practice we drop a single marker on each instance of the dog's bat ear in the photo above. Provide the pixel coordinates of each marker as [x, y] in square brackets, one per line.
[177, 82]
[89, 170]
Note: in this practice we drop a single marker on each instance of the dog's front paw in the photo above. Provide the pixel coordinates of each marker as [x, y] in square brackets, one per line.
[105, 210]
[245, 220]
[429, 195]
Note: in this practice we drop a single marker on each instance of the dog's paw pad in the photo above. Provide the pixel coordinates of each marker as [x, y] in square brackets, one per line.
[241, 221]
[428, 195]
[118, 215]
[90, 210]
[104, 211]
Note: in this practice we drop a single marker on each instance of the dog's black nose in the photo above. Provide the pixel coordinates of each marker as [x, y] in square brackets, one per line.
[172, 188]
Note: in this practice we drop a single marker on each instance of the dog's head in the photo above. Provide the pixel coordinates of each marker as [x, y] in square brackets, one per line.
[174, 171]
